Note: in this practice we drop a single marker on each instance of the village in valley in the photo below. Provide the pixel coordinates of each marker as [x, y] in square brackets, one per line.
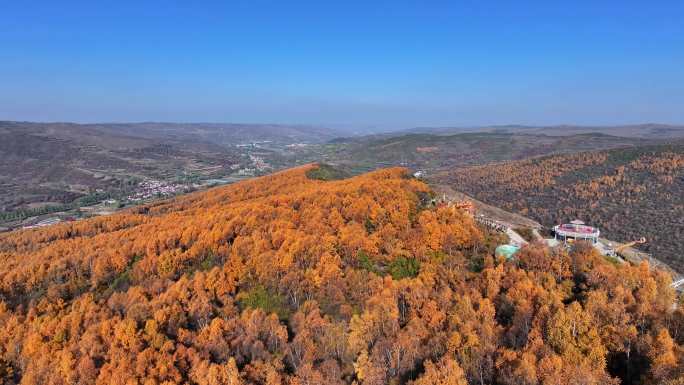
[139, 190]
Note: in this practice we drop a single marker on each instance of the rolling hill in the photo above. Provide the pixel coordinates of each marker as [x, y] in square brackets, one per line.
[294, 278]
[103, 134]
[436, 152]
[52, 164]
[644, 131]
[628, 193]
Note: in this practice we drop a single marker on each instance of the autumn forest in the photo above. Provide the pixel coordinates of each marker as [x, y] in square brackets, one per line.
[288, 279]
[629, 192]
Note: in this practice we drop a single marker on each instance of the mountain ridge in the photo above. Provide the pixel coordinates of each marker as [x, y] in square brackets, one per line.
[643, 130]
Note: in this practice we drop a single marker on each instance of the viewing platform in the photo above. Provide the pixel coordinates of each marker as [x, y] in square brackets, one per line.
[576, 231]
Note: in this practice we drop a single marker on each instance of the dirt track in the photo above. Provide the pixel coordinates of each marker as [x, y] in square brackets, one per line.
[504, 217]
[513, 220]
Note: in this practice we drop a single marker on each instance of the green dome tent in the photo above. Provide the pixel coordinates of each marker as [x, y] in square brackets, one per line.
[506, 251]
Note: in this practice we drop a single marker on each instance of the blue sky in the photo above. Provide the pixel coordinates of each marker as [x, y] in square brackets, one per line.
[357, 63]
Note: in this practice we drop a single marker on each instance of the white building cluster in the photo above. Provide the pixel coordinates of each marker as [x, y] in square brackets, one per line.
[153, 188]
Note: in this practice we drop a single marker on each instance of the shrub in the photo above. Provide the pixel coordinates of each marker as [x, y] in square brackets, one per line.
[327, 172]
[259, 297]
[403, 267]
[366, 263]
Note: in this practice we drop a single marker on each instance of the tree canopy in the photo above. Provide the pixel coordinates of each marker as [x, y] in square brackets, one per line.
[286, 279]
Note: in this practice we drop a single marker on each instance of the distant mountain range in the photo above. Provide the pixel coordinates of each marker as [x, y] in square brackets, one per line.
[215, 133]
[239, 133]
[431, 151]
[649, 130]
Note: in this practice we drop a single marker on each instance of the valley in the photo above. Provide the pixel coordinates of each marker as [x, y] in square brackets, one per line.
[62, 167]
[63, 172]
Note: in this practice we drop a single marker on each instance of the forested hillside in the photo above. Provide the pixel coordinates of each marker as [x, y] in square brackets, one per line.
[432, 153]
[628, 193]
[287, 279]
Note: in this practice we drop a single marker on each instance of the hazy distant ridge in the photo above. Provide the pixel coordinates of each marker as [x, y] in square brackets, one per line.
[646, 130]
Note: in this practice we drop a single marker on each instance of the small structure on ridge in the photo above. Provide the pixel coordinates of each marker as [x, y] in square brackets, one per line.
[576, 231]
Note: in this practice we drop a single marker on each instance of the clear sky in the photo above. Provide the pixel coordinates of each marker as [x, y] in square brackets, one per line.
[368, 63]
